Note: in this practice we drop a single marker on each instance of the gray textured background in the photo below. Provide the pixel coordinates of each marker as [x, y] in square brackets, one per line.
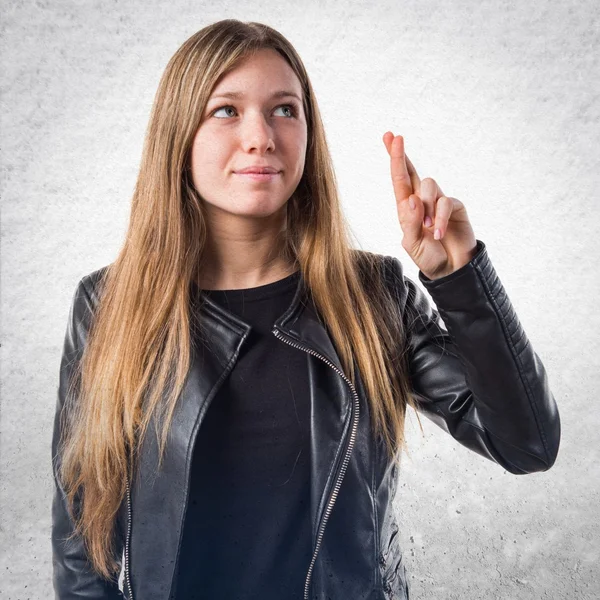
[498, 101]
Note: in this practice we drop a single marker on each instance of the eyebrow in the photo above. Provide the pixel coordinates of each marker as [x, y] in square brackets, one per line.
[238, 95]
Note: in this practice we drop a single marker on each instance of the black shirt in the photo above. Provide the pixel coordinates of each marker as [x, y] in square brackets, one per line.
[247, 531]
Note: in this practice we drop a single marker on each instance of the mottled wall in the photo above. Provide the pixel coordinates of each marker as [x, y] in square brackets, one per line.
[498, 101]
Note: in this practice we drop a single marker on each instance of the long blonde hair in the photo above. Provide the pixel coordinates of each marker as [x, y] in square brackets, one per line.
[137, 352]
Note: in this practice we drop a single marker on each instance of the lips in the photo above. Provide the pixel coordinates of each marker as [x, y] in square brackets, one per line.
[258, 170]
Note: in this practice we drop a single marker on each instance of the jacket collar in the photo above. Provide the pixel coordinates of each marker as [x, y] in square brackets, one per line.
[300, 322]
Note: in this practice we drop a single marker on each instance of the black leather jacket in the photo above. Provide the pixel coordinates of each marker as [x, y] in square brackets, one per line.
[478, 378]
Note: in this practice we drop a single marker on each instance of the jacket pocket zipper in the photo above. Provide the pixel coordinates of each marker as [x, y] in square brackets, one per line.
[342, 472]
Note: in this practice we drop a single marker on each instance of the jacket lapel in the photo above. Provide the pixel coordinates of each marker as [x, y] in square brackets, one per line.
[159, 498]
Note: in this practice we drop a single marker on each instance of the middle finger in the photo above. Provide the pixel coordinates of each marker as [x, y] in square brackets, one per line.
[414, 177]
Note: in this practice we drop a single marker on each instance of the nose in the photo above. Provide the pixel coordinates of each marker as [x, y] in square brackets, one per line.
[257, 133]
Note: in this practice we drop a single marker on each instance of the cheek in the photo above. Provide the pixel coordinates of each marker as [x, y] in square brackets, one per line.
[207, 157]
[301, 154]
[302, 145]
[293, 147]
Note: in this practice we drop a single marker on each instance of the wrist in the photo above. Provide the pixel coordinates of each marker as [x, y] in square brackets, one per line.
[461, 264]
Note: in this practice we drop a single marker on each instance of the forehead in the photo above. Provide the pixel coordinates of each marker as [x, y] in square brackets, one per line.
[266, 72]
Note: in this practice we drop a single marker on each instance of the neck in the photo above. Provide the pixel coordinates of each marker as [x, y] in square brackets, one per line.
[244, 263]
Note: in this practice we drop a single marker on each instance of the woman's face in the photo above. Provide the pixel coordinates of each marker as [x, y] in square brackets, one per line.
[257, 127]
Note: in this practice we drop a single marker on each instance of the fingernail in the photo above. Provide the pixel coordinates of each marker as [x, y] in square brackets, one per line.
[437, 234]
[428, 221]
[411, 202]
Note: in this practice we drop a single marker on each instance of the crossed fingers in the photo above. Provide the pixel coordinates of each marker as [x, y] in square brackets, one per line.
[406, 181]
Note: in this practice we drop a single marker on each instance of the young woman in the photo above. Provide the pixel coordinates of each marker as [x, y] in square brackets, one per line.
[233, 387]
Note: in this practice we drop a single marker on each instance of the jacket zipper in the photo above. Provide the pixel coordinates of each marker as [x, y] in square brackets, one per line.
[342, 471]
[334, 493]
[127, 581]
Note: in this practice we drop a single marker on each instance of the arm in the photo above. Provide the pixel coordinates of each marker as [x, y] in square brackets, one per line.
[73, 578]
[480, 379]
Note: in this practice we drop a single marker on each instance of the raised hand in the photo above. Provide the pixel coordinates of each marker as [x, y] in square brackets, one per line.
[437, 233]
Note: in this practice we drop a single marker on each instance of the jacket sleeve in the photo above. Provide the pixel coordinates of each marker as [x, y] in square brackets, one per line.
[73, 577]
[476, 374]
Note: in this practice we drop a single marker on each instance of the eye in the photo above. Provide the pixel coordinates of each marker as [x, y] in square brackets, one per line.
[293, 111]
[220, 108]
[291, 108]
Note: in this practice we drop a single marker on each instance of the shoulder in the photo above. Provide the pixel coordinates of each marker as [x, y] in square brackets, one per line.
[87, 292]
[81, 314]
[374, 268]
[92, 282]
